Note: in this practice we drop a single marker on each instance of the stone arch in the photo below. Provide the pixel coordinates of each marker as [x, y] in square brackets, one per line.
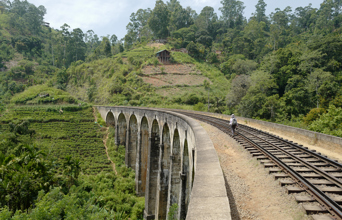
[110, 119]
[121, 130]
[132, 143]
[185, 192]
[152, 171]
[175, 168]
[162, 192]
[143, 156]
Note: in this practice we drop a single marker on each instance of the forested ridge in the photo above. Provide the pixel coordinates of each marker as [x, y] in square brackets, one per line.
[284, 67]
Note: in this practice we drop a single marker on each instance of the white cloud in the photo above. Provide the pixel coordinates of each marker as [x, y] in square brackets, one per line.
[82, 14]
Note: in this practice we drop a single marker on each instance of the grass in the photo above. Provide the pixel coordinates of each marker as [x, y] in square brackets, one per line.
[31, 96]
[180, 57]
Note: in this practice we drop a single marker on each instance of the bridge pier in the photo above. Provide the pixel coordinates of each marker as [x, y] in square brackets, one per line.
[137, 162]
[163, 174]
[174, 179]
[152, 171]
[131, 143]
[145, 144]
[117, 142]
[160, 148]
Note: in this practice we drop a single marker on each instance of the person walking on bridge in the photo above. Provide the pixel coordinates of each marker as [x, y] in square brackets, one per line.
[233, 123]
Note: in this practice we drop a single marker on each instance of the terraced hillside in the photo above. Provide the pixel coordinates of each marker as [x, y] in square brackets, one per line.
[64, 130]
[137, 78]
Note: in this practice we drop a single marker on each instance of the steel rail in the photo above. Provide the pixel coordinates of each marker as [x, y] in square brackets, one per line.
[318, 194]
[333, 179]
[319, 156]
[329, 204]
[333, 162]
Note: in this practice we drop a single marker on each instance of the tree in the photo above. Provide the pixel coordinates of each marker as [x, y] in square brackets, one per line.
[159, 20]
[325, 17]
[316, 79]
[262, 85]
[105, 44]
[113, 39]
[238, 90]
[34, 18]
[329, 123]
[206, 21]
[304, 18]
[260, 13]
[310, 59]
[62, 79]
[71, 169]
[297, 98]
[179, 16]
[232, 12]
[244, 66]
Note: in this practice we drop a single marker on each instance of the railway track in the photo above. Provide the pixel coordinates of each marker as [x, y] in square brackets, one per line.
[314, 179]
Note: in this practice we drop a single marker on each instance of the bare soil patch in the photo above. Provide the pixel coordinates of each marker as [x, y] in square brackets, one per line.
[14, 62]
[156, 45]
[105, 144]
[172, 80]
[253, 193]
[168, 91]
[172, 68]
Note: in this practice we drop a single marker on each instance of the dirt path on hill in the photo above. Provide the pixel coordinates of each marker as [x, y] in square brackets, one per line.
[253, 193]
[94, 114]
[105, 143]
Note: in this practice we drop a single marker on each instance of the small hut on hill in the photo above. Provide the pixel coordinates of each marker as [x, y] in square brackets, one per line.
[163, 56]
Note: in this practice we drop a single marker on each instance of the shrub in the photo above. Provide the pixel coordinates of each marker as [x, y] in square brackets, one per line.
[314, 114]
[155, 62]
[199, 107]
[191, 99]
[329, 123]
[212, 58]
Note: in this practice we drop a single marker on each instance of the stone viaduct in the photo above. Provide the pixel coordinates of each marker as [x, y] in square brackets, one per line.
[174, 162]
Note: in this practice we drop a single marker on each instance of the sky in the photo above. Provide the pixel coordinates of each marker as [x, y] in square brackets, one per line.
[107, 17]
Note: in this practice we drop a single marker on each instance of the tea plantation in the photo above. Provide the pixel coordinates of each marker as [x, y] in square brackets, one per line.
[71, 131]
[74, 178]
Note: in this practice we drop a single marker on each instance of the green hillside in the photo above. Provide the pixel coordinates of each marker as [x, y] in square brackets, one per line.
[68, 145]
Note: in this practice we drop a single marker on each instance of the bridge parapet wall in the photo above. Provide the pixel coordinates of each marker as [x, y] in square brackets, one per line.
[182, 145]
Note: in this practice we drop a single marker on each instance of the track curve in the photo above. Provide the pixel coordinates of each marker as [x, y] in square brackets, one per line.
[314, 179]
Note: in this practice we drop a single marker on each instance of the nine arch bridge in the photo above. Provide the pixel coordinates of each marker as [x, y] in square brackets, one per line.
[174, 162]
